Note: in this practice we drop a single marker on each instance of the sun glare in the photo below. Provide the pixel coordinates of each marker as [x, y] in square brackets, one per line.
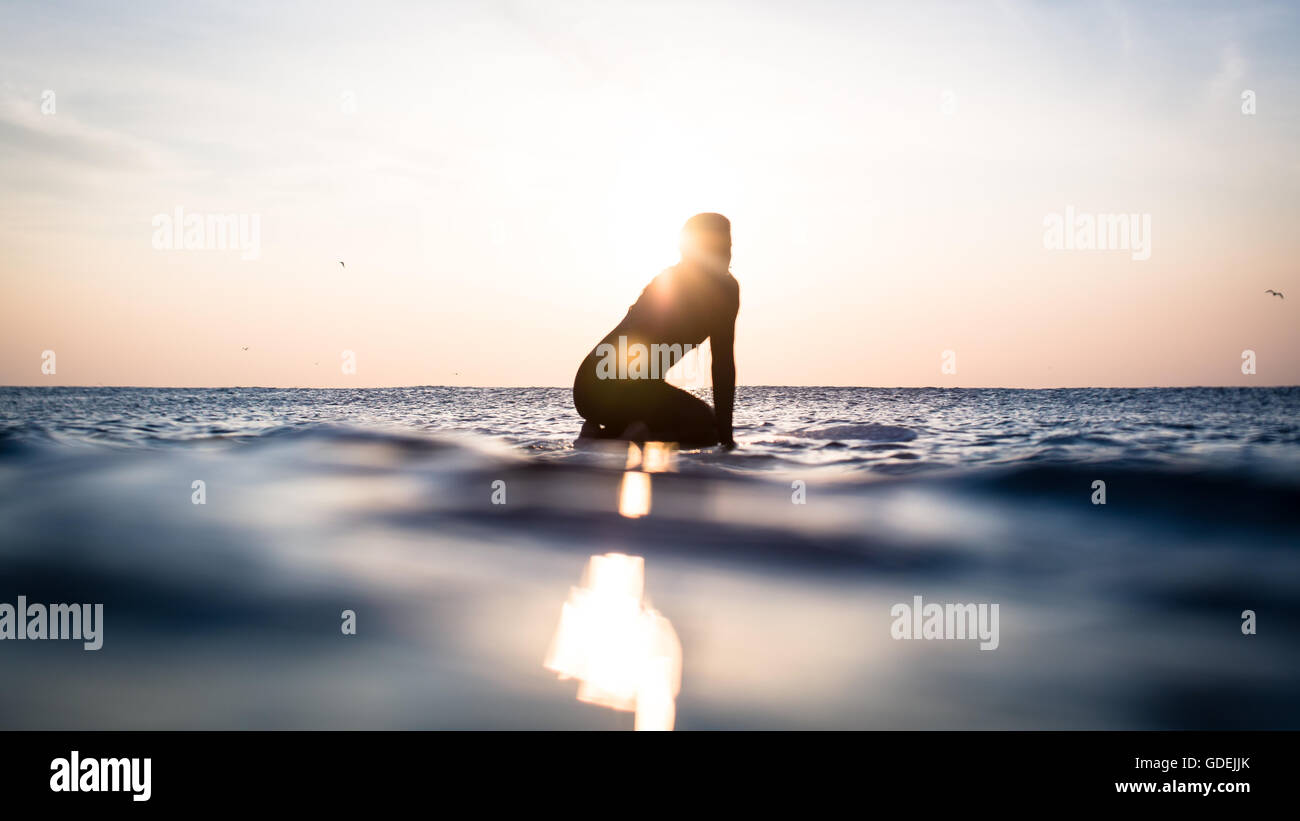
[624, 653]
[660, 182]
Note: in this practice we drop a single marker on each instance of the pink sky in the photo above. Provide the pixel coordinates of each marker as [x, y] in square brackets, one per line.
[501, 186]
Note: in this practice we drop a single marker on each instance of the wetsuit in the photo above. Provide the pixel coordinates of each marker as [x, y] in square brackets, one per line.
[685, 304]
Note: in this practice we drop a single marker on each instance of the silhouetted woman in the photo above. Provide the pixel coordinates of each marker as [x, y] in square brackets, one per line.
[694, 300]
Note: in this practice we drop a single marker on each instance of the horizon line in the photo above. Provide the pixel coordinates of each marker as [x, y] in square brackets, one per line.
[710, 387]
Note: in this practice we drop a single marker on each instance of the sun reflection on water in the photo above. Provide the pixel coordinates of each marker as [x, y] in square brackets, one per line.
[634, 495]
[625, 655]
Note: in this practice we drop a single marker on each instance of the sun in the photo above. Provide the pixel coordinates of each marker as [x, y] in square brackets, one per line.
[659, 183]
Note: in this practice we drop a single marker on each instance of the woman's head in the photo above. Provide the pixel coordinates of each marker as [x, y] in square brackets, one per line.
[706, 240]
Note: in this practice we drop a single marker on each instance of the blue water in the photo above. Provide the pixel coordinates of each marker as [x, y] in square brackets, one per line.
[227, 614]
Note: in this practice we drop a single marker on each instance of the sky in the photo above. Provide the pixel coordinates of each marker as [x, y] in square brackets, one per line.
[472, 193]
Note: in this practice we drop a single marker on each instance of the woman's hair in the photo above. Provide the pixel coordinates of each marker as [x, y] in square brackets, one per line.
[715, 229]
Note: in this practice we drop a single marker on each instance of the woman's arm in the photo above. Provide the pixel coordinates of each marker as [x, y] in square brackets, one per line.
[724, 368]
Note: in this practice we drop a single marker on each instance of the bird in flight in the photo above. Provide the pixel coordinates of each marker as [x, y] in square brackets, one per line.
[1277, 294]
[245, 347]
[341, 263]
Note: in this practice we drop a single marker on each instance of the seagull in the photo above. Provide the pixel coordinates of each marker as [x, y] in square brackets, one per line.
[1277, 294]
[245, 347]
[341, 263]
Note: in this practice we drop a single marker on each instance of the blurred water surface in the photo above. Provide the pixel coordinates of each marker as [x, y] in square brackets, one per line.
[228, 614]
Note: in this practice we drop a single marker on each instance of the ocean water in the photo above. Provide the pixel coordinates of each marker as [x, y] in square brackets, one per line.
[455, 524]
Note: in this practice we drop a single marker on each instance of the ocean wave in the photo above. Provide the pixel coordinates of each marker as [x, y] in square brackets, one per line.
[225, 614]
[868, 432]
